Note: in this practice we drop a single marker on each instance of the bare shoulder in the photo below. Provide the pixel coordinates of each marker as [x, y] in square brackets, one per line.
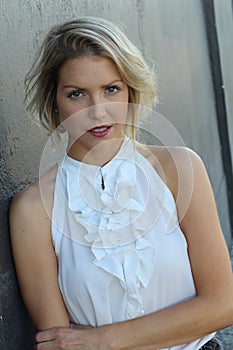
[33, 205]
[175, 165]
[174, 159]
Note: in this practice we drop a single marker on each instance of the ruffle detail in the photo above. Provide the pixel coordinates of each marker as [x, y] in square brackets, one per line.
[133, 265]
[115, 219]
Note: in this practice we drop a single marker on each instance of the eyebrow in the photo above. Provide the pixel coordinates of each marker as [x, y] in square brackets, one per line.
[80, 88]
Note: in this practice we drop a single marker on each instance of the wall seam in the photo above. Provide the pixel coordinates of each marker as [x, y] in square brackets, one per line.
[220, 103]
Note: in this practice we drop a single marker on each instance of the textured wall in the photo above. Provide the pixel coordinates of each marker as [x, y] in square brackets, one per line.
[170, 33]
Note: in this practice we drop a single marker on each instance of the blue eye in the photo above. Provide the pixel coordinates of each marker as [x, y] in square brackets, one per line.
[113, 89]
[75, 94]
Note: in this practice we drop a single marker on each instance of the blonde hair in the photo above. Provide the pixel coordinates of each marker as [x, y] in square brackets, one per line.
[82, 37]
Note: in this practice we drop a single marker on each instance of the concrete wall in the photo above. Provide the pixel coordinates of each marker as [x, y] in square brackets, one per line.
[170, 33]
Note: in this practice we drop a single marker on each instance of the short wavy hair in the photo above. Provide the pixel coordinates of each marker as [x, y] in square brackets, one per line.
[85, 37]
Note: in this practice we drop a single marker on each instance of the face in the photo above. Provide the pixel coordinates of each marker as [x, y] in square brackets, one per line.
[88, 90]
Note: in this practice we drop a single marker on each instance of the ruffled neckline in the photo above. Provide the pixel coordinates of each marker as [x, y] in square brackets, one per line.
[114, 219]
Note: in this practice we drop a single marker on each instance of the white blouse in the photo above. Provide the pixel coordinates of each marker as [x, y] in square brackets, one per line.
[120, 250]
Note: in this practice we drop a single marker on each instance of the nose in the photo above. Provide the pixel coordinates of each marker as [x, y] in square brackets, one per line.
[97, 109]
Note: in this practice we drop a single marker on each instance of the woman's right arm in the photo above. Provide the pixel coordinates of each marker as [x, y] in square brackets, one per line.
[35, 260]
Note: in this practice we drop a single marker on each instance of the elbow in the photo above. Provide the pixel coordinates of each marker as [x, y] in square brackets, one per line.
[229, 312]
[217, 310]
[228, 303]
[224, 311]
[220, 300]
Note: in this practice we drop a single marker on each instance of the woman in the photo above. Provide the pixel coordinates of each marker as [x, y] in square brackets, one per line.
[96, 264]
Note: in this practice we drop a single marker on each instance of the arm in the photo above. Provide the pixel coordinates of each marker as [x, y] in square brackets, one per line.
[35, 260]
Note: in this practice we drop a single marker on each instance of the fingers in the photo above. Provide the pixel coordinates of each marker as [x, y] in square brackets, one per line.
[51, 339]
[67, 339]
[46, 346]
[47, 335]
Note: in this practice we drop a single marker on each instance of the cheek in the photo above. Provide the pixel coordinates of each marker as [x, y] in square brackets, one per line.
[75, 125]
[118, 111]
[66, 109]
[126, 95]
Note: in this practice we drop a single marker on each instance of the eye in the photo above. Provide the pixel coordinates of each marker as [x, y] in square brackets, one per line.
[113, 89]
[75, 94]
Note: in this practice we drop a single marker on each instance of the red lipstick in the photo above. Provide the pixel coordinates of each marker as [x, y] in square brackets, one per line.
[99, 131]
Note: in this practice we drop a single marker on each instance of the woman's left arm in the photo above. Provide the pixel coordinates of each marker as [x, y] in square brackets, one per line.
[210, 310]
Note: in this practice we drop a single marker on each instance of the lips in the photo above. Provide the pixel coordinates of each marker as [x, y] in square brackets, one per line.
[100, 131]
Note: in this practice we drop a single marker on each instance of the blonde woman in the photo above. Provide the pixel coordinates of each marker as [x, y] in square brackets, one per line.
[96, 266]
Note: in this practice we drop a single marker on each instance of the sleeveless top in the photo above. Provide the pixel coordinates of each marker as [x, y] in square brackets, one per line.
[120, 250]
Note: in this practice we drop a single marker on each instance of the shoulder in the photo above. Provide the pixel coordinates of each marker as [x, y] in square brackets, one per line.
[33, 205]
[175, 158]
[183, 172]
[175, 165]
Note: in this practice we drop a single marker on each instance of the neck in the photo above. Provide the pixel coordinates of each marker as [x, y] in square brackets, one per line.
[99, 155]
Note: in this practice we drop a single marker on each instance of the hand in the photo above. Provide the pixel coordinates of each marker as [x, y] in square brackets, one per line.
[86, 338]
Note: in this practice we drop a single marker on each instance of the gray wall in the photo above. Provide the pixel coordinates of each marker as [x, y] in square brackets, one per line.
[172, 34]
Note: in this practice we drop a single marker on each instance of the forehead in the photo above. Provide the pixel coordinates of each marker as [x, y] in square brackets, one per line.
[89, 68]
